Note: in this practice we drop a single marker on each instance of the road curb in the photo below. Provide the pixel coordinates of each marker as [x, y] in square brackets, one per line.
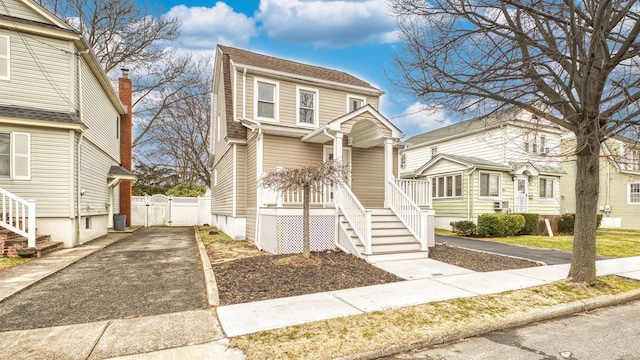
[526, 319]
[213, 297]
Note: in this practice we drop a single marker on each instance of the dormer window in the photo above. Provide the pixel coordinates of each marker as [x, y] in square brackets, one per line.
[266, 100]
[354, 103]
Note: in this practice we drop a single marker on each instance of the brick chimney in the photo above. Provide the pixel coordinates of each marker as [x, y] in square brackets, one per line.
[126, 140]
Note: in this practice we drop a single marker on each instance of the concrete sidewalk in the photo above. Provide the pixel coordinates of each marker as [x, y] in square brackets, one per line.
[434, 281]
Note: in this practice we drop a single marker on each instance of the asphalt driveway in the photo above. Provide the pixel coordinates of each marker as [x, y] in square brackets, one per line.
[154, 271]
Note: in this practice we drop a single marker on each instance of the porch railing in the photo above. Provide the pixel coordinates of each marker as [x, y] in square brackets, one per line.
[19, 216]
[410, 214]
[416, 190]
[296, 197]
[358, 217]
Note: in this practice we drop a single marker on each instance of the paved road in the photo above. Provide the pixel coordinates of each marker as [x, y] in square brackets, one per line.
[547, 256]
[609, 333]
[154, 271]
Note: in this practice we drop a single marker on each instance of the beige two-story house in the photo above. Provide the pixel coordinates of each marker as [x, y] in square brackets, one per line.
[270, 113]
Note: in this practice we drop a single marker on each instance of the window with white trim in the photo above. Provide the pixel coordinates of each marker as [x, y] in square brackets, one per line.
[355, 102]
[307, 104]
[403, 161]
[5, 60]
[490, 185]
[633, 193]
[215, 177]
[434, 151]
[535, 143]
[15, 155]
[547, 188]
[446, 186]
[266, 103]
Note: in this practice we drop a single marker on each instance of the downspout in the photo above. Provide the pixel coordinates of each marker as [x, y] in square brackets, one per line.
[259, 147]
[79, 152]
[469, 193]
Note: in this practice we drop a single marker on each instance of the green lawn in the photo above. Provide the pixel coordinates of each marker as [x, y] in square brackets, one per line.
[609, 242]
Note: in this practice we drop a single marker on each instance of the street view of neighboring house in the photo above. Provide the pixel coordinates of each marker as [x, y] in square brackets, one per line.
[270, 113]
[505, 162]
[60, 129]
[619, 199]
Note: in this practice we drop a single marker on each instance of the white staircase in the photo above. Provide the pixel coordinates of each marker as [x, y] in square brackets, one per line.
[390, 238]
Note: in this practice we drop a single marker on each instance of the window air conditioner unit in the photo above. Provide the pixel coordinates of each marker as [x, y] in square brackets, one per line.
[500, 205]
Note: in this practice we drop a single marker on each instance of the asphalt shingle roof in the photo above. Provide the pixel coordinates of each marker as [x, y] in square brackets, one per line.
[291, 67]
[38, 114]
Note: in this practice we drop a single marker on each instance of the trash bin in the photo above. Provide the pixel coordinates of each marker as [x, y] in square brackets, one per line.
[119, 222]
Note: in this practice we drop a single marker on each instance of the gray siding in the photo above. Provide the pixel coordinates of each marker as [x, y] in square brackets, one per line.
[222, 192]
[51, 170]
[18, 9]
[95, 165]
[32, 57]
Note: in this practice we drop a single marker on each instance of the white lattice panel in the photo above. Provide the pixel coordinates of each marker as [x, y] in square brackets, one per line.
[290, 233]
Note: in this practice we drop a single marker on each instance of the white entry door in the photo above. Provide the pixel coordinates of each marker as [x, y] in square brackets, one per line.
[521, 197]
[328, 155]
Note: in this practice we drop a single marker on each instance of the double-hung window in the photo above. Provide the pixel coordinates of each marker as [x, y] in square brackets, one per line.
[354, 103]
[546, 188]
[490, 185]
[15, 156]
[266, 100]
[307, 107]
[5, 64]
[633, 193]
[446, 186]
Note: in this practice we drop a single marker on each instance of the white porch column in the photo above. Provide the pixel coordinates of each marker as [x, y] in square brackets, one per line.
[337, 146]
[388, 169]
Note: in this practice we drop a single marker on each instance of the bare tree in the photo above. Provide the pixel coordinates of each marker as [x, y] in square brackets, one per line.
[310, 178]
[179, 138]
[578, 59]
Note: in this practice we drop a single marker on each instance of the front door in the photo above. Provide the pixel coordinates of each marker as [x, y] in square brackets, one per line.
[521, 197]
[328, 155]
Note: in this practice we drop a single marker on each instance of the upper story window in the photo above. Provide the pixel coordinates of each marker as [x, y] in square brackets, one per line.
[266, 96]
[633, 193]
[446, 186]
[5, 63]
[307, 107]
[15, 156]
[355, 102]
[490, 185]
[630, 159]
[434, 151]
[535, 143]
[403, 161]
[547, 188]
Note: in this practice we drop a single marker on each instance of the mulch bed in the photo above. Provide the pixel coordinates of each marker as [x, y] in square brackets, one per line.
[267, 277]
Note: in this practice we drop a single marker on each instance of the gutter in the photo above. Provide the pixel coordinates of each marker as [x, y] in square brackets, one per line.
[79, 151]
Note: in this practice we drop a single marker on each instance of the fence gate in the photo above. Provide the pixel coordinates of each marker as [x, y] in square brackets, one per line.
[160, 210]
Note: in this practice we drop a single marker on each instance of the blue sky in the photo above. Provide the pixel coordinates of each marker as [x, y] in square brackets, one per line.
[355, 36]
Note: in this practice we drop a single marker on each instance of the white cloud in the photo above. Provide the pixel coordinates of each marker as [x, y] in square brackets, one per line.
[333, 23]
[205, 27]
[419, 118]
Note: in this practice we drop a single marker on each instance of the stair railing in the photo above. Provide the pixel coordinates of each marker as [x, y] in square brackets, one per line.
[19, 216]
[358, 217]
[410, 214]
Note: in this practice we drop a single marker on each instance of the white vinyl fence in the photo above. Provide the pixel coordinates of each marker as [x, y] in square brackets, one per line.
[160, 210]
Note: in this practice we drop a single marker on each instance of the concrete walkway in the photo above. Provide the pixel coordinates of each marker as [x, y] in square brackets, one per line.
[202, 334]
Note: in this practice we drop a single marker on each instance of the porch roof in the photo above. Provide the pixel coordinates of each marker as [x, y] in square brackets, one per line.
[468, 161]
[365, 127]
[521, 167]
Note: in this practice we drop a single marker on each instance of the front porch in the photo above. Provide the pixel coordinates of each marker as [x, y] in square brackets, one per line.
[402, 230]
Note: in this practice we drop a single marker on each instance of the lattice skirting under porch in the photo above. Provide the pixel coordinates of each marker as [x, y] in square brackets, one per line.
[281, 232]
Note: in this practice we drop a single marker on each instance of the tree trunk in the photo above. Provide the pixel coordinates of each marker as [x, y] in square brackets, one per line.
[583, 266]
[306, 242]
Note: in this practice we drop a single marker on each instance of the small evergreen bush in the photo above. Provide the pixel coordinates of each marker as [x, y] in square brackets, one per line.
[464, 227]
[530, 224]
[494, 225]
[567, 222]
